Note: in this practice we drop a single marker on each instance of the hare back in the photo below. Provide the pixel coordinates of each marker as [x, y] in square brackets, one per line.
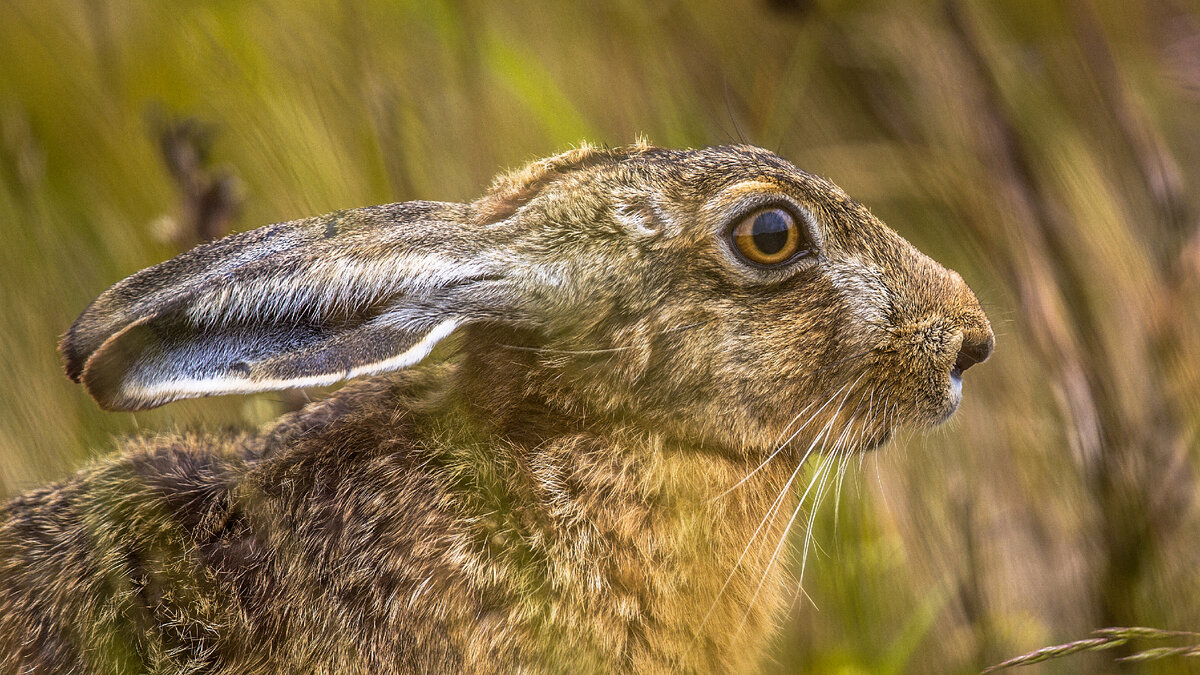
[184, 554]
[133, 562]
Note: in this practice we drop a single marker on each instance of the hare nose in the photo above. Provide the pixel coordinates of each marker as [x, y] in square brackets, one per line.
[973, 351]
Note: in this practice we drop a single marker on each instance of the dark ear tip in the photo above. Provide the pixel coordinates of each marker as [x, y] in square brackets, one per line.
[104, 373]
[73, 361]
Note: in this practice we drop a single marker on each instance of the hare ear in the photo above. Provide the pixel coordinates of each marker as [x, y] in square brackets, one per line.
[297, 304]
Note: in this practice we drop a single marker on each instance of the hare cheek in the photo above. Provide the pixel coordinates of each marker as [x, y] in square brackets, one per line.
[864, 302]
[864, 294]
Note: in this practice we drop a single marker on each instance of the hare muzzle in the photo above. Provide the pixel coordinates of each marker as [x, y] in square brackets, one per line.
[942, 331]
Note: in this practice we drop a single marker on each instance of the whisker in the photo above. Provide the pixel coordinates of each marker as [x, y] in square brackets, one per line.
[774, 508]
[822, 489]
[824, 434]
[830, 472]
[839, 456]
[775, 553]
[785, 443]
[878, 477]
[852, 450]
[768, 516]
[837, 503]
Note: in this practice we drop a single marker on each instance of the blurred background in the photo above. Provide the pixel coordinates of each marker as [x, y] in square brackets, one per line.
[1045, 149]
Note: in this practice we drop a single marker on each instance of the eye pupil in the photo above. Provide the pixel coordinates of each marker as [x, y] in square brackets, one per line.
[770, 231]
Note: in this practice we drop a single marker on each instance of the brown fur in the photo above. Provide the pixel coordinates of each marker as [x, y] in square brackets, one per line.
[550, 497]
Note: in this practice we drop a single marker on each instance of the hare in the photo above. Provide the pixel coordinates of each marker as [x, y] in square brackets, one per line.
[637, 348]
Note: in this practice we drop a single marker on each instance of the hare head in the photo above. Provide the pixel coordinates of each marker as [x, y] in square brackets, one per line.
[719, 294]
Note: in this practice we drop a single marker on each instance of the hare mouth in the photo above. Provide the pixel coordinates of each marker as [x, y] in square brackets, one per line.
[954, 395]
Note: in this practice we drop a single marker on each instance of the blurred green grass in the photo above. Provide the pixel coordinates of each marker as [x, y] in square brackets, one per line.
[1046, 150]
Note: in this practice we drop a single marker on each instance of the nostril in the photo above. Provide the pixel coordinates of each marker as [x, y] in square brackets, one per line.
[972, 352]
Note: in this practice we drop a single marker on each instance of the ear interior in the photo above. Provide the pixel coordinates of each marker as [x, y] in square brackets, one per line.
[156, 360]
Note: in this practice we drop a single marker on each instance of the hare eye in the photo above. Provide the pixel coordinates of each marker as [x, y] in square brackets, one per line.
[767, 237]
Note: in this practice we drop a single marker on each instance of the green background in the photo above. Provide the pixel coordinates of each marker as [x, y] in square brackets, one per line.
[1046, 150]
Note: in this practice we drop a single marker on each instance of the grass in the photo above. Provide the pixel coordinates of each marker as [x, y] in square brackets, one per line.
[1110, 638]
[1045, 150]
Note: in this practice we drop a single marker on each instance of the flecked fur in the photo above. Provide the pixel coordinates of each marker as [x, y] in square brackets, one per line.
[551, 494]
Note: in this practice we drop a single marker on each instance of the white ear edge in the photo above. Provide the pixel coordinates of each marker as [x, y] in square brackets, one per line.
[171, 390]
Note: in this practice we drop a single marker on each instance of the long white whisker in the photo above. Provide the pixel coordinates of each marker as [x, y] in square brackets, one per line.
[837, 503]
[878, 477]
[767, 517]
[775, 554]
[774, 508]
[789, 439]
[824, 434]
[822, 488]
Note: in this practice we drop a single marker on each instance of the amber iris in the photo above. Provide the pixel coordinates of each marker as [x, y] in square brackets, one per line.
[767, 237]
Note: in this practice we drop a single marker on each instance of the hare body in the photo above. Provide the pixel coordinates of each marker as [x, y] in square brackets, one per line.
[554, 495]
[391, 542]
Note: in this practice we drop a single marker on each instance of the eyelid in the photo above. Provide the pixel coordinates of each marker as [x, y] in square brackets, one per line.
[758, 199]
